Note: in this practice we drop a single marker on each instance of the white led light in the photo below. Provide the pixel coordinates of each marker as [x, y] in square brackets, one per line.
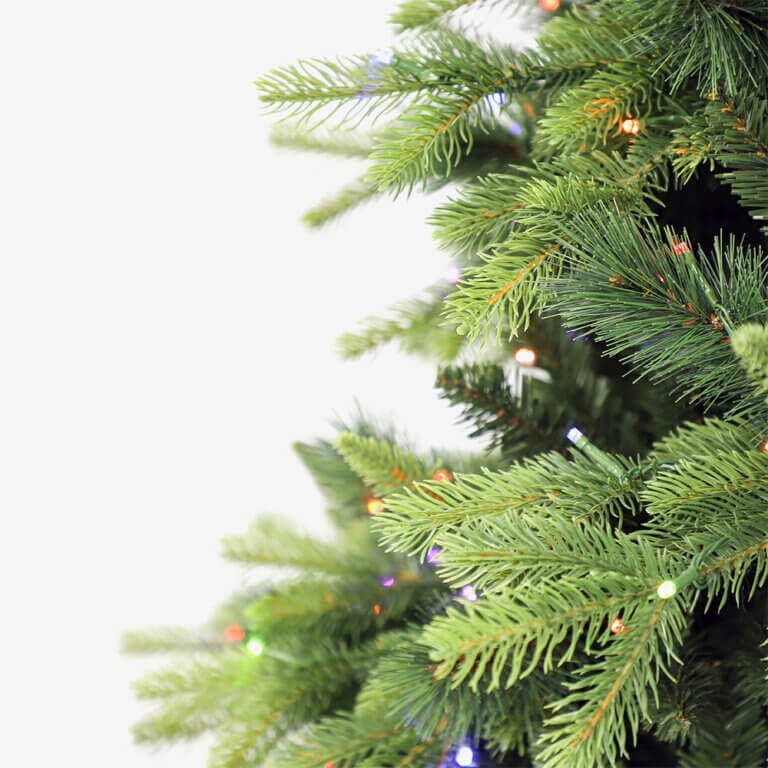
[255, 647]
[574, 434]
[666, 589]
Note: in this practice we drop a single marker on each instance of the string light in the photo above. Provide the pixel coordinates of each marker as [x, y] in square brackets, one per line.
[464, 756]
[386, 581]
[433, 556]
[550, 5]
[468, 592]
[617, 626]
[234, 633]
[630, 125]
[375, 506]
[442, 476]
[525, 356]
[453, 274]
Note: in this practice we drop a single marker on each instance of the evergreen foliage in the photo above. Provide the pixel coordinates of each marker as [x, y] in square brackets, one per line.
[566, 597]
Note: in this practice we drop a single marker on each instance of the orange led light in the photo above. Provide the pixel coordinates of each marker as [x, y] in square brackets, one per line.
[442, 476]
[680, 248]
[375, 506]
[377, 609]
[617, 626]
[234, 633]
[630, 125]
[525, 356]
[765, 446]
[550, 5]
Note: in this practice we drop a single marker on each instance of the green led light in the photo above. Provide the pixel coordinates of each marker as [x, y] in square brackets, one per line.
[666, 589]
[256, 647]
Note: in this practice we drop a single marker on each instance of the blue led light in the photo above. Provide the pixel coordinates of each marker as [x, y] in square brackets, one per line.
[464, 756]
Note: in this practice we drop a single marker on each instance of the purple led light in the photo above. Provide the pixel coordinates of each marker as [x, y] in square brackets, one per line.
[468, 593]
[383, 57]
[453, 274]
[386, 581]
[433, 556]
[516, 129]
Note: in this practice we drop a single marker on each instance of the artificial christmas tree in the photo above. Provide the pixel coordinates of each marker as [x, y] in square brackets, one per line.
[588, 589]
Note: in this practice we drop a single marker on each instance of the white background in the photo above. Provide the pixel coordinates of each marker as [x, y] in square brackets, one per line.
[167, 331]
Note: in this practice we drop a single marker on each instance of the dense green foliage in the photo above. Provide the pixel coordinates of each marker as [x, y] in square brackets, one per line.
[555, 600]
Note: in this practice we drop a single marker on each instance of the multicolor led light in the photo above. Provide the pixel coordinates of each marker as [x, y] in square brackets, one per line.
[464, 756]
[234, 633]
[525, 356]
[666, 589]
[631, 125]
[574, 434]
[255, 646]
[617, 626]
[468, 592]
[433, 556]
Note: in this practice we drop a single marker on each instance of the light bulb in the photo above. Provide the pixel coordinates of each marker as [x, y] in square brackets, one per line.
[433, 556]
[630, 125]
[255, 646]
[375, 506]
[469, 593]
[666, 589]
[525, 356]
[464, 756]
